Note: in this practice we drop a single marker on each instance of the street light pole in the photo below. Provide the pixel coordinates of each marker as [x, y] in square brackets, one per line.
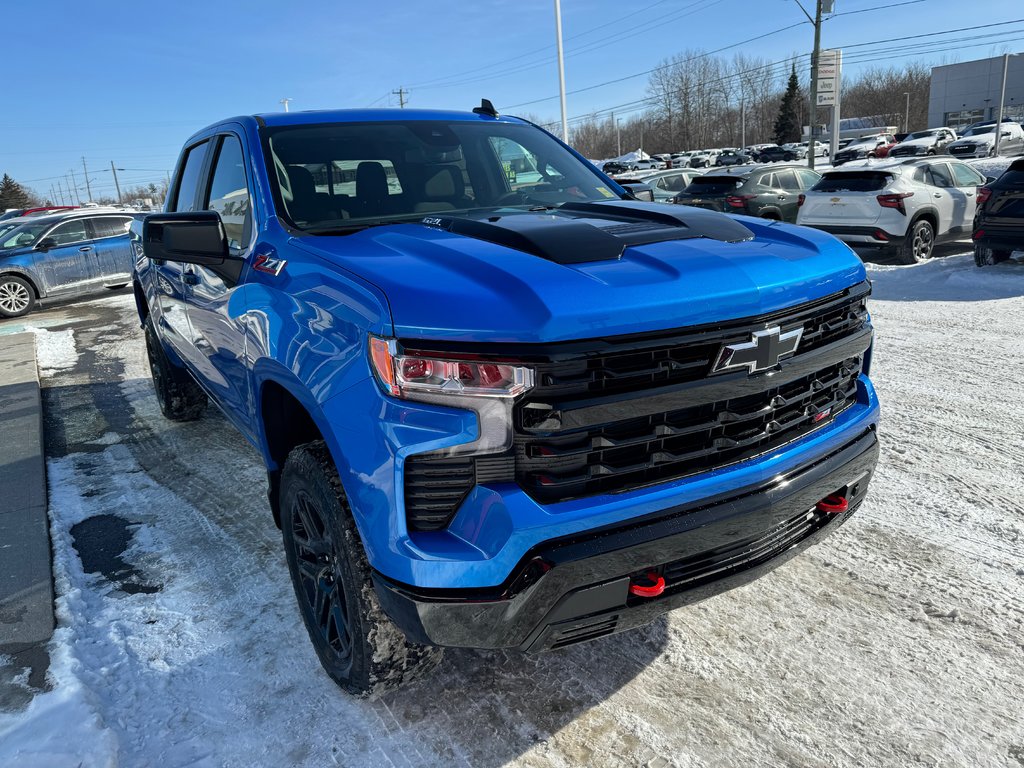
[815, 55]
[1002, 100]
[906, 117]
[561, 69]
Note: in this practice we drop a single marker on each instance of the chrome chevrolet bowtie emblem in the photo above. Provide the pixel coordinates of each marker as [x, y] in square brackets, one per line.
[763, 351]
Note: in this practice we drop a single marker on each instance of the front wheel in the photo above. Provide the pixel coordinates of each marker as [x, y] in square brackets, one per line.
[987, 257]
[920, 243]
[16, 296]
[362, 650]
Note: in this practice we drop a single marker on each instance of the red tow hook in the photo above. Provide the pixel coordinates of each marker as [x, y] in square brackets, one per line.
[833, 505]
[655, 588]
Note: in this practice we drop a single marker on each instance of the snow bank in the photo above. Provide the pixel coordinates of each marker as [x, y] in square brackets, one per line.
[954, 278]
[55, 350]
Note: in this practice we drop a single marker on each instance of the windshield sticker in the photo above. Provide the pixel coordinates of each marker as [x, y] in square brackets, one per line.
[605, 191]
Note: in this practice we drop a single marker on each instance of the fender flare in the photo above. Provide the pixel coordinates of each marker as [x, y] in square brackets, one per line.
[26, 275]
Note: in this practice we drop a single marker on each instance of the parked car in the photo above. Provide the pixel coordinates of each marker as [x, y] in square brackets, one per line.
[776, 154]
[980, 141]
[730, 157]
[41, 210]
[666, 184]
[523, 418]
[700, 159]
[998, 228]
[929, 142]
[646, 164]
[680, 160]
[864, 147]
[908, 205]
[771, 193]
[820, 149]
[63, 256]
[613, 167]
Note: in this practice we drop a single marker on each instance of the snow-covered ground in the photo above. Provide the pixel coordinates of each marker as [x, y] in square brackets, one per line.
[898, 641]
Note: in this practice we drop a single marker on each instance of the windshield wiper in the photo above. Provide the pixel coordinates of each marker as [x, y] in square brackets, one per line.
[347, 229]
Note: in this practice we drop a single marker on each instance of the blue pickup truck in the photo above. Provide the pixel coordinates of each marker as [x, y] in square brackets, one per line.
[501, 410]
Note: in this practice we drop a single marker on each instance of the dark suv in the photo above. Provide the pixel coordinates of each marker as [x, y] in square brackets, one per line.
[771, 193]
[999, 219]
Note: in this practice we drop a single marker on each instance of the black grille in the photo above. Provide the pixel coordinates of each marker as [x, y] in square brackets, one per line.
[434, 489]
[589, 427]
[961, 149]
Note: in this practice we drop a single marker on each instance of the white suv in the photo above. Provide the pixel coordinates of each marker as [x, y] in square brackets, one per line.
[908, 204]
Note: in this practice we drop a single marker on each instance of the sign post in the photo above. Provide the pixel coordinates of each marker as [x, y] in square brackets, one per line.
[830, 64]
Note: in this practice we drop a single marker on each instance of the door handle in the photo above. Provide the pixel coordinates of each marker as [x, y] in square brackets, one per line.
[969, 194]
[189, 278]
[85, 248]
[936, 194]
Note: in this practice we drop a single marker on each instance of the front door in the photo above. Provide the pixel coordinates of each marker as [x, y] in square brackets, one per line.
[216, 304]
[66, 258]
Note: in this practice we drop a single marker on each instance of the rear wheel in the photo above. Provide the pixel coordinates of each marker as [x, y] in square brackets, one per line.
[16, 296]
[357, 644]
[180, 398]
[986, 257]
[920, 243]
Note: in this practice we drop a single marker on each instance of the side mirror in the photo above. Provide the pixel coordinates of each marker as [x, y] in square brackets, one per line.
[195, 237]
[989, 179]
[46, 244]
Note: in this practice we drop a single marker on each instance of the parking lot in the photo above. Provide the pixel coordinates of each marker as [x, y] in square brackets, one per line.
[898, 641]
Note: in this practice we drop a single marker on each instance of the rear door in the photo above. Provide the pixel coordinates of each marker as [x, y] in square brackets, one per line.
[68, 266]
[967, 182]
[945, 197]
[787, 191]
[113, 256]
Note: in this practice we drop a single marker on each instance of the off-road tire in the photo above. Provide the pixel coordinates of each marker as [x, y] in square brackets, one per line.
[180, 398]
[362, 650]
[987, 257]
[17, 297]
[919, 244]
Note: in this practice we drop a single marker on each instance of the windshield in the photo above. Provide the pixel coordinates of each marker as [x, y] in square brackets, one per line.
[857, 181]
[22, 235]
[713, 185]
[921, 135]
[348, 176]
[980, 130]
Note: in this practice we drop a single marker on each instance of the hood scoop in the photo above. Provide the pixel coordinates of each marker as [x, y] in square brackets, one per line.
[577, 233]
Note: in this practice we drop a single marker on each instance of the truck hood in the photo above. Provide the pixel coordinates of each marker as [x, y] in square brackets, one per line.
[982, 138]
[444, 285]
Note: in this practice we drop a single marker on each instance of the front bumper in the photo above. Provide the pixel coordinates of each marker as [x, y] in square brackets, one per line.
[577, 587]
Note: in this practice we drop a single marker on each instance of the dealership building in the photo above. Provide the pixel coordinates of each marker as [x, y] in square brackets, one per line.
[967, 93]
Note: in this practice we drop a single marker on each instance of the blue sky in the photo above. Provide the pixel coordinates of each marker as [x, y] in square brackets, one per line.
[129, 82]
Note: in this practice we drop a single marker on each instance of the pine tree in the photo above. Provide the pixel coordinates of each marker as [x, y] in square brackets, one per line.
[12, 194]
[787, 124]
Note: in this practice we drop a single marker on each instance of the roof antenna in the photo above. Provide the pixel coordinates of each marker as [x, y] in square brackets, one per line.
[485, 108]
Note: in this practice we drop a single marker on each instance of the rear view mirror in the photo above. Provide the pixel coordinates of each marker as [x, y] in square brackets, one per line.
[195, 237]
[46, 244]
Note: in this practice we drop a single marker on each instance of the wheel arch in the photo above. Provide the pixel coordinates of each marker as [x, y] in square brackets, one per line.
[27, 276]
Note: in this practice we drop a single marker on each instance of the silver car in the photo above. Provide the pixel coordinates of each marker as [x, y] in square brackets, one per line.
[63, 256]
[667, 184]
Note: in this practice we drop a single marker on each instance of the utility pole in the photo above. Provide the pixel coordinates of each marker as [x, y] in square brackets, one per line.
[906, 115]
[401, 94]
[88, 189]
[1002, 100]
[561, 69]
[117, 186]
[286, 102]
[618, 136]
[75, 182]
[743, 124]
[816, 21]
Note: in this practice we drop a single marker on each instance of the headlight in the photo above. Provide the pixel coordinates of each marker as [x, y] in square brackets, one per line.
[487, 387]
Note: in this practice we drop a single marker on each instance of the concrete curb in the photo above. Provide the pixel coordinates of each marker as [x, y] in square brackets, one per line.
[26, 580]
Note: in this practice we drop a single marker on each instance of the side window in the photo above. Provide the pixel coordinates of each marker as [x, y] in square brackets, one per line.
[69, 232]
[110, 226]
[807, 179]
[229, 193]
[189, 178]
[766, 180]
[675, 183]
[787, 180]
[940, 176]
[966, 177]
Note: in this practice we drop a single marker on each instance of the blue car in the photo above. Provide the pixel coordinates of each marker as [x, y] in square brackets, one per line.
[63, 256]
[501, 409]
